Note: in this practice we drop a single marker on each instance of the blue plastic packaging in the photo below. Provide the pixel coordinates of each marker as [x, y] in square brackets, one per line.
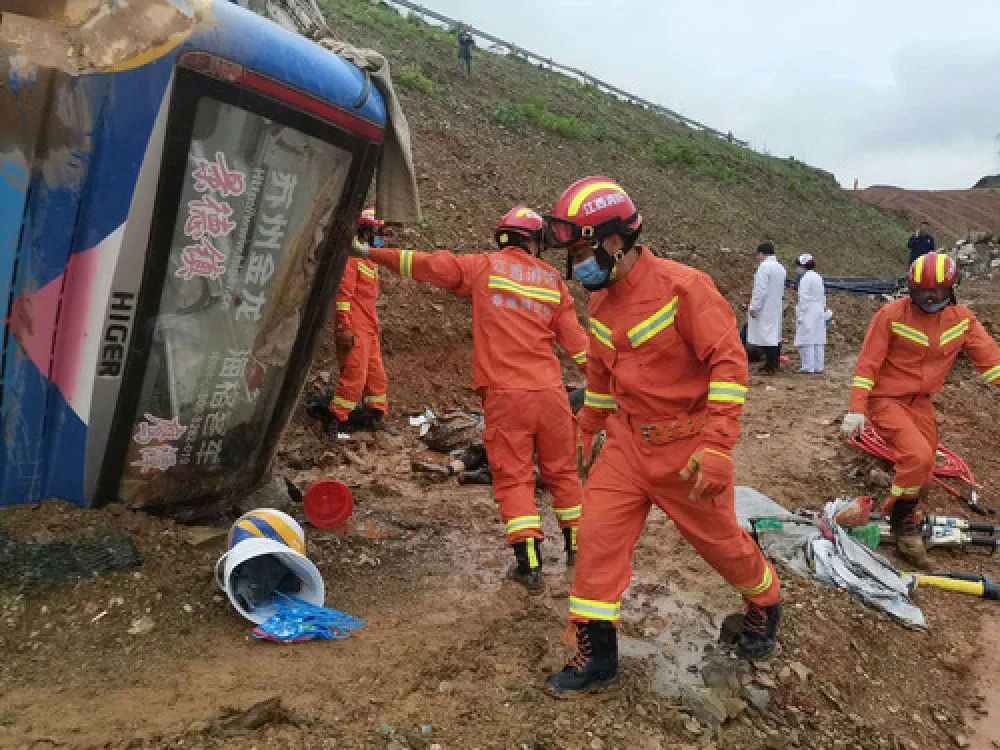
[295, 621]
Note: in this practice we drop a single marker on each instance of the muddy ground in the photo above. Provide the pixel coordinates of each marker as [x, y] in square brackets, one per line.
[453, 657]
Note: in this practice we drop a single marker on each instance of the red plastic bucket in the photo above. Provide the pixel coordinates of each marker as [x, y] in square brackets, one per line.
[328, 503]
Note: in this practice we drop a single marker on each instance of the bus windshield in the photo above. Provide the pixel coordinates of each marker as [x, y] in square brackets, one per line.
[256, 200]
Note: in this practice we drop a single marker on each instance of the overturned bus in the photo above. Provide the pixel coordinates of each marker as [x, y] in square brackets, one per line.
[173, 224]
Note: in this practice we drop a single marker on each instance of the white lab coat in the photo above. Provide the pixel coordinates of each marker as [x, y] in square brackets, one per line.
[810, 311]
[764, 328]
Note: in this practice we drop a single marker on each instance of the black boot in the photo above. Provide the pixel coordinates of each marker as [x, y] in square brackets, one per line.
[318, 407]
[596, 660]
[334, 427]
[760, 630]
[527, 569]
[569, 537]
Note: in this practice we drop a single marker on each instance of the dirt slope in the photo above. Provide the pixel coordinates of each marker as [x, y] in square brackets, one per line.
[952, 214]
[515, 133]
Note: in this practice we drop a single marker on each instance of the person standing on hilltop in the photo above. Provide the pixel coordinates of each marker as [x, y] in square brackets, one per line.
[767, 307]
[667, 377]
[920, 243]
[908, 351]
[520, 306]
[465, 44]
[810, 317]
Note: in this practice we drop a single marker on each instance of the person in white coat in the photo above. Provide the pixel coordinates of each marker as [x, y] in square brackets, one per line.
[810, 316]
[767, 307]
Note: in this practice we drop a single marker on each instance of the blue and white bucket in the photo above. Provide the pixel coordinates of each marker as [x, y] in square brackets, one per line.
[266, 531]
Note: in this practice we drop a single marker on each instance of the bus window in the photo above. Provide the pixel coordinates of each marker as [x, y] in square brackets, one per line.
[255, 202]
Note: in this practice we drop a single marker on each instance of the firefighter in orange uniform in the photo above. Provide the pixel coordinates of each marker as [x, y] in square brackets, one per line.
[520, 306]
[908, 351]
[357, 333]
[667, 378]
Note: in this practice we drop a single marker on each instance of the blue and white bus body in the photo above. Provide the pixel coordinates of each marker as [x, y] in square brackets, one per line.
[171, 233]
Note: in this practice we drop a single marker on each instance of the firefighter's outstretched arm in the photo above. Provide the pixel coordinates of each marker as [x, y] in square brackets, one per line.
[441, 269]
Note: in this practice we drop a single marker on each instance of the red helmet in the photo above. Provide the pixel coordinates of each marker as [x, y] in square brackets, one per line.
[933, 270]
[368, 219]
[519, 223]
[591, 210]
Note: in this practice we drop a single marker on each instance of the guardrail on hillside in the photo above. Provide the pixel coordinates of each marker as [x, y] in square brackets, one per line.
[567, 70]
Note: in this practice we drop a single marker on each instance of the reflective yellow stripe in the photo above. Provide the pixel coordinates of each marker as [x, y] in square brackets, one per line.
[338, 401]
[954, 332]
[760, 588]
[902, 491]
[344, 306]
[370, 271]
[580, 358]
[601, 332]
[860, 382]
[720, 390]
[579, 198]
[918, 269]
[380, 399]
[715, 452]
[992, 374]
[912, 334]
[541, 293]
[532, 552]
[523, 522]
[652, 325]
[941, 260]
[595, 610]
[406, 263]
[569, 514]
[599, 400]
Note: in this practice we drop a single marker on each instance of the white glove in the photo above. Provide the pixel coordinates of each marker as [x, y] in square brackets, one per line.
[853, 423]
[359, 249]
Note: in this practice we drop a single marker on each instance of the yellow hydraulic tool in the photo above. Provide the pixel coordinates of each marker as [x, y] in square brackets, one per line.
[962, 583]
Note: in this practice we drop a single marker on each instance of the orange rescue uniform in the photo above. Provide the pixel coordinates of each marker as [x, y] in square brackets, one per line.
[362, 374]
[667, 375]
[520, 306]
[904, 360]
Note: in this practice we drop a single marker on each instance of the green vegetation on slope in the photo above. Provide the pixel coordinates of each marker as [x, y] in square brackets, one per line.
[514, 132]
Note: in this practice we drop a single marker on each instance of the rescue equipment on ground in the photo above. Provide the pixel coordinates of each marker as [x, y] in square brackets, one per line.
[962, 583]
[950, 466]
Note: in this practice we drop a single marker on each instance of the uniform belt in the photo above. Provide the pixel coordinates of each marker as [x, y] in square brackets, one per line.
[667, 431]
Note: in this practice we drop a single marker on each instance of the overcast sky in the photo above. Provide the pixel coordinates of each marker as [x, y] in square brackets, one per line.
[885, 91]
